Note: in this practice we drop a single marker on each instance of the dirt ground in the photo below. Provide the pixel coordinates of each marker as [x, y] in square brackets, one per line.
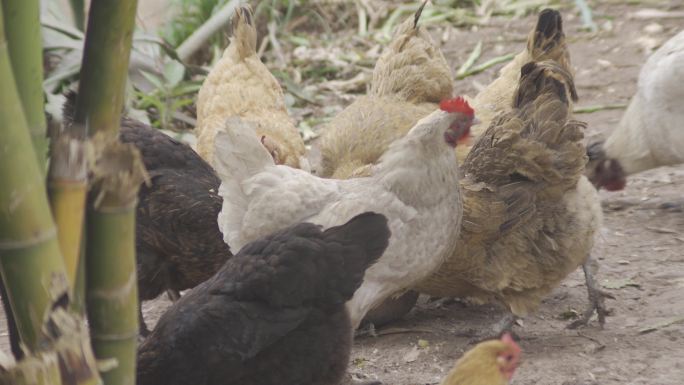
[640, 249]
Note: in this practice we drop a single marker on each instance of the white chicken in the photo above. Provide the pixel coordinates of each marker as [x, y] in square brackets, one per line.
[415, 185]
[651, 132]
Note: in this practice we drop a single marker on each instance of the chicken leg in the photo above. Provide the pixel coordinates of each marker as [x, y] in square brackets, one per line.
[596, 296]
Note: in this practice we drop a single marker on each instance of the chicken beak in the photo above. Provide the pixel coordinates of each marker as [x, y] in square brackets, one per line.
[476, 121]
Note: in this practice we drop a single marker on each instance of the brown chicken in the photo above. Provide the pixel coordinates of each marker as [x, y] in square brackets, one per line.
[410, 78]
[178, 242]
[530, 215]
[546, 41]
[241, 85]
[274, 314]
[489, 363]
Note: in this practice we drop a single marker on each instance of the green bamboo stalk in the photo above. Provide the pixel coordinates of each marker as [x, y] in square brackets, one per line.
[28, 238]
[78, 10]
[111, 283]
[116, 173]
[55, 344]
[22, 27]
[105, 64]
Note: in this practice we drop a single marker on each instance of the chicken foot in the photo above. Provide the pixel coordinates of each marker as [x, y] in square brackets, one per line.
[596, 296]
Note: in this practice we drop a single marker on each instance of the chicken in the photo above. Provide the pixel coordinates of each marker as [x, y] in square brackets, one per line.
[488, 363]
[415, 184]
[650, 132]
[273, 314]
[545, 42]
[178, 245]
[530, 215]
[410, 78]
[241, 85]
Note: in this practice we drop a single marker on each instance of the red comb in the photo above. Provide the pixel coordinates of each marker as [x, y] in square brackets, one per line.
[457, 104]
[508, 340]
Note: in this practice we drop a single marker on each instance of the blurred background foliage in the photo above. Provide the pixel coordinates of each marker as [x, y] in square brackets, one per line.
[322, 51]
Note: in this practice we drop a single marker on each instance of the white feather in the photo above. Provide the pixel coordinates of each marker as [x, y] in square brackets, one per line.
[415, 185]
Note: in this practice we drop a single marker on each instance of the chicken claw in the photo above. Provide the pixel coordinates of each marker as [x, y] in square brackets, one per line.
[596, 296]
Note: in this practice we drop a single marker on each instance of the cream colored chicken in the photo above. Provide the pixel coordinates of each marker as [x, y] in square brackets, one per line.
[409, 79]
[530, 216]
[241, 85]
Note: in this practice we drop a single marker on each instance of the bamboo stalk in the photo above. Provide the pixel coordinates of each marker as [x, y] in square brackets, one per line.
[105, 64]
[116, 173]
[67, 187]
[22, 26]
[111, 283]
[28, 240]
[55, 343]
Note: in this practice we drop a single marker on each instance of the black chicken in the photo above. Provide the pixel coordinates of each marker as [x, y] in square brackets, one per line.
[178, 242]
[274, 314]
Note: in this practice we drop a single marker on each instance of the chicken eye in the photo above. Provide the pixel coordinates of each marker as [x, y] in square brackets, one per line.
[509, 357]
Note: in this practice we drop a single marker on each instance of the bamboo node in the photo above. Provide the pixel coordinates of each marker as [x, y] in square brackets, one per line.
[68, 158]
[116, 171]
[38, 238]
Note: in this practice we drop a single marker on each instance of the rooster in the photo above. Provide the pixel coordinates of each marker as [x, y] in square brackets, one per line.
[415, 184]
[274, 314]
[488, 363]
[241, 85]
[409, 80]
[530, 215]
[650, 132]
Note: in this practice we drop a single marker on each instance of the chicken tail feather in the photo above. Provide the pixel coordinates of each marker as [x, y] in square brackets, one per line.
[539, 78]
[244, 33]
[547, 40]
[418, 13]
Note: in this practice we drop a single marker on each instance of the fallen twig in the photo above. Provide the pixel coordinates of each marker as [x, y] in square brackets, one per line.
[660, 325]
[599, 107]
[486, 65]
[477, 51]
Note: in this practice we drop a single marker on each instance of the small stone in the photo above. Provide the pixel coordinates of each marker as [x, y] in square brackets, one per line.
[654, 29]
